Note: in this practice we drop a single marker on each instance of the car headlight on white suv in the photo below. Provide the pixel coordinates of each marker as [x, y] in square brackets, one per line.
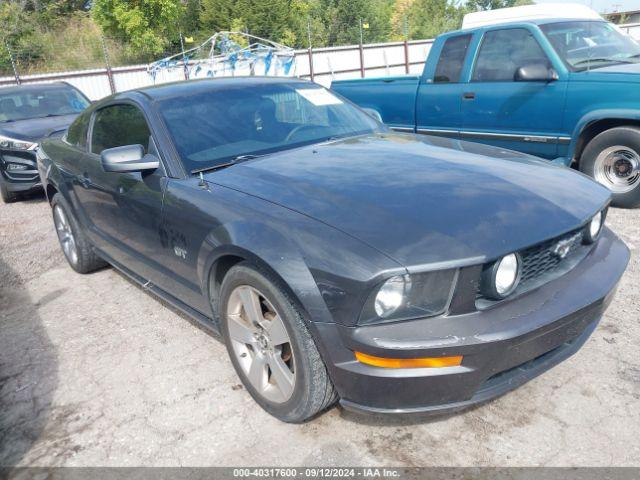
[7, 143]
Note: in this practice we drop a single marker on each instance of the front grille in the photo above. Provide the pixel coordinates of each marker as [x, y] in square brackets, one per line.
[544, 262]
[545, 257]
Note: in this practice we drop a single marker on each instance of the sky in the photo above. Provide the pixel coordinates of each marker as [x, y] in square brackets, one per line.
[602, 6]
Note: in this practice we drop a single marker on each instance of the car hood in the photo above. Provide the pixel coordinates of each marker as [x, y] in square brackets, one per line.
[422, 200]
[621, 73]
[34, 129]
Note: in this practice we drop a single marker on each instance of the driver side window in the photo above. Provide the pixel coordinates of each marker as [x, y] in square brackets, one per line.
[504, 51]
[117, 126]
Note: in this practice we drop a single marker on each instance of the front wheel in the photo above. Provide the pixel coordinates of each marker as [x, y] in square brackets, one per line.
[7, 196]
[75, 245]
[612, 158]
[271, 348]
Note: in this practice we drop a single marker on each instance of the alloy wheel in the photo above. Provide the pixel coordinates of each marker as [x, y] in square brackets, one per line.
[65, 235]
[618, 168]
[261, 344]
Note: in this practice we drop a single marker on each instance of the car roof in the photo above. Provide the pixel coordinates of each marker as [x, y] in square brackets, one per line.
[177, 89]
[33, 87]
[519, 23]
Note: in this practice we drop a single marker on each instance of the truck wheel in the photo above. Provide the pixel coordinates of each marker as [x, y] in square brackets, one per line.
[7, 196]
[76, 247]
[613, 159]
[271, 348]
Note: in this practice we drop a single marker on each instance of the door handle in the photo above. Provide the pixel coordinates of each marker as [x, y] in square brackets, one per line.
[469, 95]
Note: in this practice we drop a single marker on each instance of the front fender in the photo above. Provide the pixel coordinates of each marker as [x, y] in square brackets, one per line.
[598, 115]
[274, 253]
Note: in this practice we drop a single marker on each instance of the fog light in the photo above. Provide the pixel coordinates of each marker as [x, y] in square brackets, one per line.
[425, 362]
[592, 232]
[501, 278]
[16, 166]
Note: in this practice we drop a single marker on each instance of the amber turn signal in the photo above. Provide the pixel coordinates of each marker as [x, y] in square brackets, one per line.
[426, 362]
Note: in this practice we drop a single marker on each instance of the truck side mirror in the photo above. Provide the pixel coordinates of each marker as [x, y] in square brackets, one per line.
[535, 72]
[129, 158]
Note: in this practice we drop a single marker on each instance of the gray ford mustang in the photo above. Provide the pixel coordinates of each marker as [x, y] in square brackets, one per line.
[338, 260]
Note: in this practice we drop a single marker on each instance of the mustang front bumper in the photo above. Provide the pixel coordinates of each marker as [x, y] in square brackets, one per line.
[503, 346]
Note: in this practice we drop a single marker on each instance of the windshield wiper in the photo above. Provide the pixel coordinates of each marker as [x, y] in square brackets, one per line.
[234, 161]
[599, 60]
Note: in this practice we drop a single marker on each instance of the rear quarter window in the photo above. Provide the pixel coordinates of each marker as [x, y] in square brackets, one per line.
[451, 61]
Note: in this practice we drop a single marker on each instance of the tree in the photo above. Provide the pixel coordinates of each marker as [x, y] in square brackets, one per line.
[429, 18]
[490, 4]
[148, 26]
[279, 20]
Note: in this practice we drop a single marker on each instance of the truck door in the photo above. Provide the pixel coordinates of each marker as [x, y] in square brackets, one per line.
[499, 109]
[439, 94]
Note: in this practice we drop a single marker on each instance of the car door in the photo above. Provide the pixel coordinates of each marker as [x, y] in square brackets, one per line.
[520, 115]
[124, 209]
[439, 94]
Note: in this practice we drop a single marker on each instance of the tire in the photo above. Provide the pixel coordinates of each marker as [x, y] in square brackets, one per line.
[7, 196]
[308, 389]
[74, 243]
[612, 158]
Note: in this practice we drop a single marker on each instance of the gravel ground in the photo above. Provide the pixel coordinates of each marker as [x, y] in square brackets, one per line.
[96, 372]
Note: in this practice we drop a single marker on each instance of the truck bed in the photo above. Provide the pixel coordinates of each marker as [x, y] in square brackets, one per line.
[392, 97]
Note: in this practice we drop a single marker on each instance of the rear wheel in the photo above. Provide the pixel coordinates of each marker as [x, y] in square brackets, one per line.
[271, 348]
[76, 247]
[7, 196]
[612, 158]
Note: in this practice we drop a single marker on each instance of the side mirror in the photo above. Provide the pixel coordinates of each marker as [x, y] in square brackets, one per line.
[130, 158]
[373, 113]
[535, 72]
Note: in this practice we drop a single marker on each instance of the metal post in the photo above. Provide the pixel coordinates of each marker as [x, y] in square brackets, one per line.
[185, 65]
[406, 56]
[13, 62]
[406, 45]
[361, 52]
[105, 52]
[311, 75]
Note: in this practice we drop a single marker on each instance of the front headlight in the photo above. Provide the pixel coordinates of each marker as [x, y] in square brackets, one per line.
[593, 229]
[7, 143]
[501, 278]
[405, 297]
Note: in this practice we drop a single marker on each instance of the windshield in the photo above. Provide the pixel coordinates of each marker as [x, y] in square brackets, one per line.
[588, 45]
[46, 102]
[215, 127]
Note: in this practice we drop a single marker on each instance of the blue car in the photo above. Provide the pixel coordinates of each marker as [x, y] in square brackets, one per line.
[562, 89]
[339, 260]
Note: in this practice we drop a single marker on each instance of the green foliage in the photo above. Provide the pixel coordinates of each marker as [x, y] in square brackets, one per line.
[490, 4]
[429, 18]
[146, 26]
[47, 35]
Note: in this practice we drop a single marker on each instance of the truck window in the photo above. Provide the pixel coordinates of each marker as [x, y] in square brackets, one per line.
[451, 59]
[504, 51]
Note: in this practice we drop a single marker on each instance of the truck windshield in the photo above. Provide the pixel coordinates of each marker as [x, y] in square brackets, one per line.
[51, 101]
[219, 126]
[588, 45]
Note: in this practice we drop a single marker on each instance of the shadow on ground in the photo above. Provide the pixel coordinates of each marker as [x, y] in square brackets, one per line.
[28, 371]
